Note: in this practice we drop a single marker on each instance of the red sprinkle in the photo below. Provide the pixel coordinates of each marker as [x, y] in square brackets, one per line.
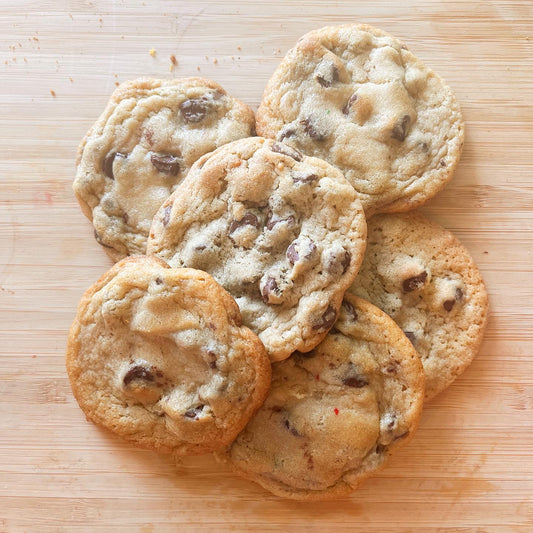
[336, 411]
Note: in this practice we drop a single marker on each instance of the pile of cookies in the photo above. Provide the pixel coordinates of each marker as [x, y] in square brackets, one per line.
[276, 300]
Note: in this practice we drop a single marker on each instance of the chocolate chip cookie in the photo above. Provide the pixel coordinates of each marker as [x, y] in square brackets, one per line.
[283, 233]
[142, 146]
[333, 415]
[358, 98]
[422, 276]
[160, 357]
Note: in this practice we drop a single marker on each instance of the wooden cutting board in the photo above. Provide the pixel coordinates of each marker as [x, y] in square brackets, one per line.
[469, 467]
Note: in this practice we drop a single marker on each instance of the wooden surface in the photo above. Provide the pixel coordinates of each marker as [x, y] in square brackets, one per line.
[470, 464]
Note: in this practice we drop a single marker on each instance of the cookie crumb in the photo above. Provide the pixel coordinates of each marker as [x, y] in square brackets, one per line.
[70, 79]
[198, 68]
[53, 93]
[239, 48]
[215, 61]
[152, 52]
[173, 59]
[117, 83]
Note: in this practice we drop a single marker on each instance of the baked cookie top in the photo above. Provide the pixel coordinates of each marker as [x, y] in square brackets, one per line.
[160, 357]
[143, 145]
[283, 233]
[424, 278]
[358, 98]
[333, 415]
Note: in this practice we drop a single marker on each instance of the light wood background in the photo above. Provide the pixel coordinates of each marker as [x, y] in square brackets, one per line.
[469, 467]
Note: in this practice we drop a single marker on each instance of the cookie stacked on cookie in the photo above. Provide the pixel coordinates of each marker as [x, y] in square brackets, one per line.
[259, 259]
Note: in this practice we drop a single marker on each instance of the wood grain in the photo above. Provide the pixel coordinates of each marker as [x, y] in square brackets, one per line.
[469, 467]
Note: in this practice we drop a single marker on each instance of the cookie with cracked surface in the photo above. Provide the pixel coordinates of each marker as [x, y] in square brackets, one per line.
[425, 279]
[283, 233]
[333, 415]
[142, 146]
[160, 357]
[358, 98]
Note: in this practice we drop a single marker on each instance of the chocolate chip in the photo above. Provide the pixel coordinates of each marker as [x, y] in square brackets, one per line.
[166, 214]
[212, 364]
[423, 146]
[411, 336]
[269, 287]
[99, 240]
[327, 79]
[312, 130]
[401, 128]
[281, 148]
[287, 132]
[415, 283]
[159, 281]
[448, 305]
[356, 381]
[248, 219]
[459, 294]
[291, 253]
[166, 163]
[138, 371]
[442, 163]
[271, 223]
[291, 428]
[195, 109]
[304, 178]
[194, 412]
[346, 108]
[350, 310]
[108, 163]
[392, 367]
[327, 319]
[345, 261]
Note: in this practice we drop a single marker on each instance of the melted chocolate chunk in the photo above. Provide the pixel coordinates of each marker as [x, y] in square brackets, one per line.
[399, 132]
[281, 148]
[355, 381]
[411, 336]
[99, 240]
[415, 283]
[345, 261]
[289, 220]
[346, 108]
[312, 130]
[166, 163]
[459, 294]
[195, 109]
[248, 219]
[138, 371]
[108, 163]
[327, 319]
[166, 214]
[270, 287]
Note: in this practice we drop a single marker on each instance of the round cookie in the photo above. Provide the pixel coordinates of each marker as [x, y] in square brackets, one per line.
[333, 416]
[421, 275]
[283, 233]
[160, 357]
[142, 146]
[356, 97]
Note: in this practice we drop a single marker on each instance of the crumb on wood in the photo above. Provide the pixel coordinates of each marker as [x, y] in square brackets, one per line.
[239, 48]
[53, 93]
[35, 39]
[198, 68]
[25, 60]
[70, 79]
[215, 61]
[117, 83]
[173, 59]
[153, 52]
